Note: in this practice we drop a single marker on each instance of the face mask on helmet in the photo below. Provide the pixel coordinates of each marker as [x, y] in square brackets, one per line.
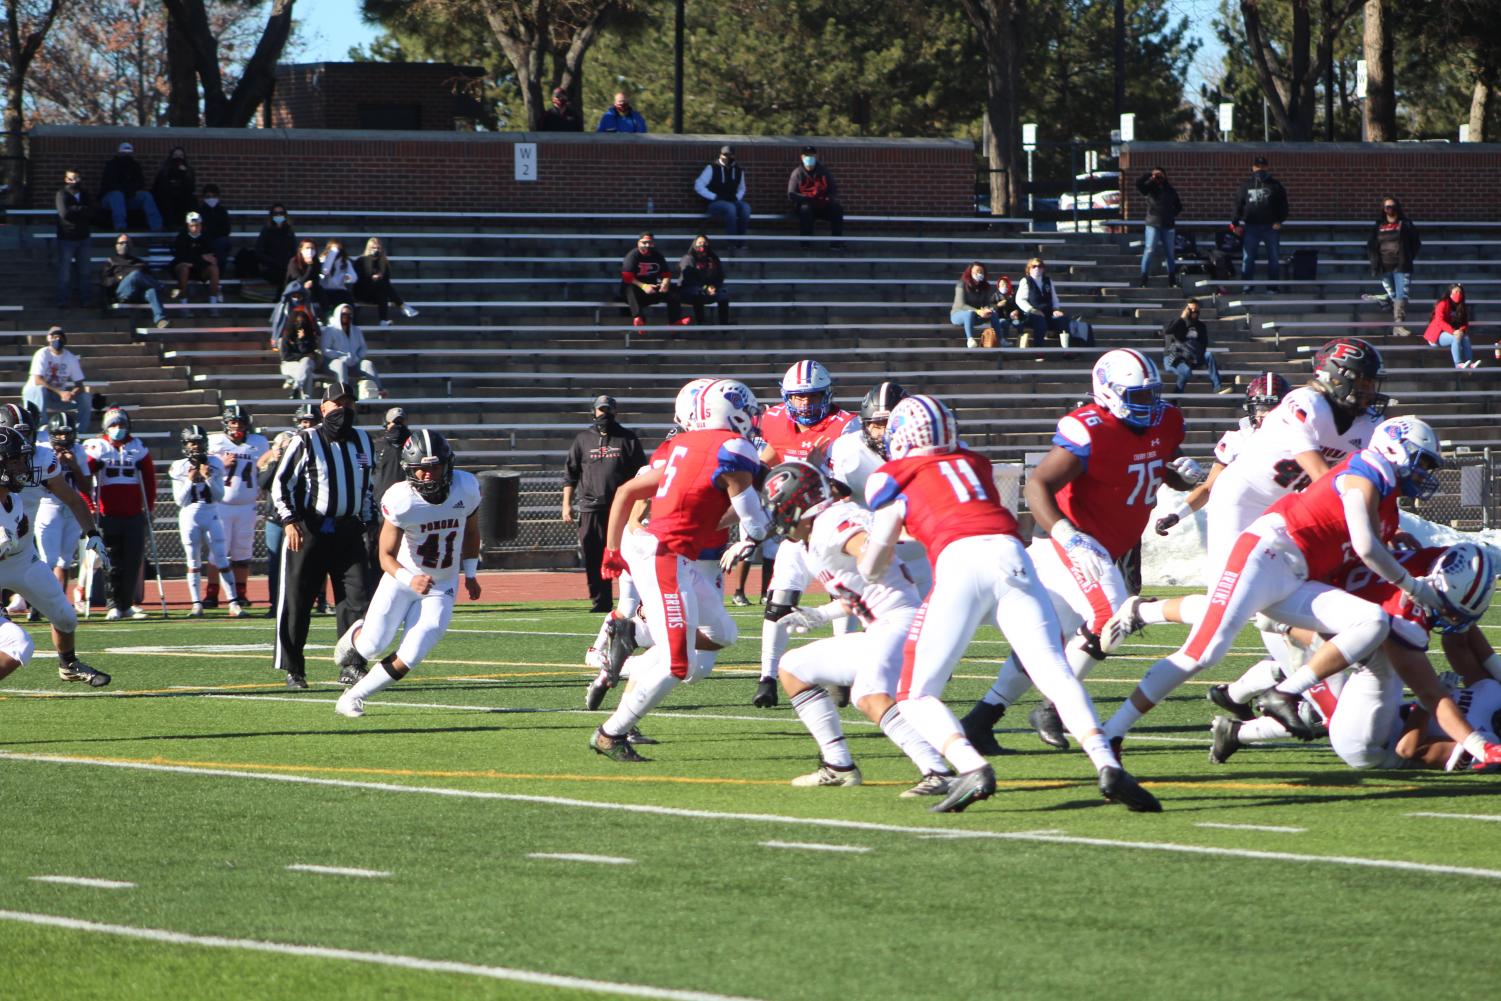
[875, 412]
[793, 492]
[1126, 385]
[1464, 576]
[1412, 447]
[808, 392]
[15, 459]
[427, 464]
[1263, 395]
[1349, 371]
[194, 444]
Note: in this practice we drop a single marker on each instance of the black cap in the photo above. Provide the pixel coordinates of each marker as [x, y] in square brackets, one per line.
[809, 149]
[335, 390]
[726, 151]
[1259, 161]
[603, 402]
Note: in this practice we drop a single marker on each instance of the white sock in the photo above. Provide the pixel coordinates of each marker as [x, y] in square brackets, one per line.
[701, 662]
[632, 665]
[630, 598]
[1079, 659]
[645, 692]
[644, 639]
[1125, 717]
[227, 581]
[1100, 754]
[1298, 682]
[374, 680]
[1164, 677]
[1262, 728]
[1192, 610]
[1151, 612]
[1011, 683]
[819, 714]
[773, 645]
[937, 725]
[602, 638]
[902, 733]
[195, 586]
[1258, 678]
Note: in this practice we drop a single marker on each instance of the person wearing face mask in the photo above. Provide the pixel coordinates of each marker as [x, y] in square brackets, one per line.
[815, 195]
[561, 115]
[122, 188]
[1185, 347]
[216, 226]
[1043, 312]
[193, 259]
[701, 281]
[1260, 211]
[56, 381]
[621, 117]
[600, 459]
[74, 211]
[1163, 207]
[343, 348]
[307, 416]
[373, 283]
[1450, 327]
[127, 278]
[304, 271]
[321, 497]
[646, 279]
[176, 185]
[721, 185]
[974, 303]
[274, 247]
[1393, 246]
[336, 276]
[388, 445]
[124, 477]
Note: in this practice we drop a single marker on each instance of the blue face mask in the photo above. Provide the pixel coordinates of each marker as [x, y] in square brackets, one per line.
[809, 161]
[116, 432]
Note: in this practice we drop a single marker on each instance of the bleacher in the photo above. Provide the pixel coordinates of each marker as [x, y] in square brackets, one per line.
[520, 329]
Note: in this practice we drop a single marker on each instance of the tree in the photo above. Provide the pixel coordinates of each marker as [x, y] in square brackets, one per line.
[1381, 93]
[998, 23]
[414, 36]
[1290, 78]
[191, 18]
[26, 27]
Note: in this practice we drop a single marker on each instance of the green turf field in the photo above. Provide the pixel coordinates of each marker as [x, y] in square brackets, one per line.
[196, 779]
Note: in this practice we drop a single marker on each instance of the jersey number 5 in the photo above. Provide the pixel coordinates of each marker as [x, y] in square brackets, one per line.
[671, 469]
[429, 550]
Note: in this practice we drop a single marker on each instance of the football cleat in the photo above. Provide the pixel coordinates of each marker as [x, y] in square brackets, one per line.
[236, 610]
[345, 655]
[296, 682]
[1125, 622]
[740, 599]
[621, 643]
[114, 615]
[79, 671]
[971, 787]
[352, 674]
[932, 784]
[1049, 726]
[1117, 786]
[828, 775]
[766, 694]
[614, 748]
[636, 737]
[979, 728]
[196, 612]
[1226, 734]
[350, 705]
[1283, 708]
[1220, 696]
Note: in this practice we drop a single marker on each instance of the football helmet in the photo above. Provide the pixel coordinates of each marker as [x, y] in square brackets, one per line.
[15, 459]
[15, 416]
[1464, 575]
[920, 425]
[1126, 384]
[793, 491]
[62, 430]
[1412, 447]
[236, 414]
[808, 378]
[876, 408]
[194, 442]
[682, 410]
[428, 450]
[1263, 394]
[1349, 371]
[725, 405]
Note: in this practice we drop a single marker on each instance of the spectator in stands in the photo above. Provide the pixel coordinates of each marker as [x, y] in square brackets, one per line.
[372, 283]
[1393, 246]
[600, 459]
[1163, 208]
[645, 279]
[122, 188]
[815, 195]
[561, 115]
[274, 247]
[56, 381]
[344, 354]
[74, 211]
[216, 226]
[176, 187]
[1040, 308]
[193, 258]
[722, 185]
[336, 276]
[1260, 211]
[304, 271]
[1006, 309]
[974, 303]
[1185, 347]
[127, 278]
[621, 117]
[701, 281]
[1450, 327]
[300, 358]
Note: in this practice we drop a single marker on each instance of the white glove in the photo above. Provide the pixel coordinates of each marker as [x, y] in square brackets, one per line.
[799, 621]
[1266, 624]
[10, 545]
[95, 545]
[1187, 468]
[1084, 551]
[735, 552]
[1421, 591]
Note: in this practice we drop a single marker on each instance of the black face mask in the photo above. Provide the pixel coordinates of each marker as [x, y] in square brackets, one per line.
[397, 434]
[339, 423]
[602, 424]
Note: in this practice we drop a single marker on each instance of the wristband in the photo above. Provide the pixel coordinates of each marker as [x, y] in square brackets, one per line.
[471, 567]
[1183, 511]
[405, 576]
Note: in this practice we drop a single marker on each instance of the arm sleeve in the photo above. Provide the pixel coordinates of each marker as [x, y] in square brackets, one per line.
[1364, 541]
[285, 505]
[959, 303]
[740, 190]
[833, 188]
[701, 186]
[572, 464]
[60, 202]
[792, 184]
[1024, 296]
[753, 518]
[885, 529]
[181, 485]
[635, 457]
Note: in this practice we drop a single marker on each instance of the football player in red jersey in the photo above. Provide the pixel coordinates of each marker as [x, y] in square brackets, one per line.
[1093, 494]
[1288, 565]
[803, 426]
[943, 493]
[708, 472]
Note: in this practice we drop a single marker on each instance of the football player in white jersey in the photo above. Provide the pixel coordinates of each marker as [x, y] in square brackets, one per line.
[57, 530]
[430, 536]
[831, 534]
[198, 488]
[240, 448]
[22, 572]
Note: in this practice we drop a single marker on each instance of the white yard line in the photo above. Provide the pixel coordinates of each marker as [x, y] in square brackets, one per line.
[373, 958]
[1269, 829]
[9, 757]
[98, 884]
[334, 870]
[1492, 818]
[575, 857]
[813, 846]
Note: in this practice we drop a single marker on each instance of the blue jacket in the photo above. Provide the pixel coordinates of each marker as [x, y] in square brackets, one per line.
[614, 121]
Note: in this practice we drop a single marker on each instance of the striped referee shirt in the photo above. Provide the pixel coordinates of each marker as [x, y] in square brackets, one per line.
[319, 479]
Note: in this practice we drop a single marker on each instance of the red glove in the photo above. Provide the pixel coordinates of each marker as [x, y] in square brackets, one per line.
[1489, 759]
[613, 565]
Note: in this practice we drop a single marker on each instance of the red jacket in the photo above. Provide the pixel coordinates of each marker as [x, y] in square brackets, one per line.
[1443, 319]
[119, 472]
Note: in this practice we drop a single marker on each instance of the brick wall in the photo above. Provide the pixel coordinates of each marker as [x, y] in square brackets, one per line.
[1334, 181]
[353, 95]
[475, 171]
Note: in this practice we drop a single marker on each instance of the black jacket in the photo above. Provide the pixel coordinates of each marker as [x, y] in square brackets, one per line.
[694, 274]
[117, 267]
[215, 221]
[74, 210]
[275, 246]
[567, 120]
[1262, 201]
[1163, 203]
[598, 464]
[1182, 340]
[122, 173]
[1411, 244]
[387, 469]
[175, 190]
[297, 343]
[189, 249]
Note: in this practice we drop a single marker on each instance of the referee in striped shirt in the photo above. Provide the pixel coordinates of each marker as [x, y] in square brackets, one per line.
[321, 497]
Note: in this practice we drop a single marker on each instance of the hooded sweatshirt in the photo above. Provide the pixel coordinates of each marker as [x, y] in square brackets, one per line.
[338, 343]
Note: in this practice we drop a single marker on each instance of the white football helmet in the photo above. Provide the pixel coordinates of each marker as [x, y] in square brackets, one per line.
[725, 405]
[1127, 385]
[920, 425]
[808, 378]
[1464, 576]
[1412, 447]
[682, 410]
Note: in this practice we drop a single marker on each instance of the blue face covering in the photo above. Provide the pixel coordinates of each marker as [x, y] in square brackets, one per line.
[116, 432]
[809, 161]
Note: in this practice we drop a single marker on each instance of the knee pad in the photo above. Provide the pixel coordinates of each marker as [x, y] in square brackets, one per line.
[781, 604]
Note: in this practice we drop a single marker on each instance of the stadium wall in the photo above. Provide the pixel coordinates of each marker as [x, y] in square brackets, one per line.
[476, 171]
[1327, 181]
